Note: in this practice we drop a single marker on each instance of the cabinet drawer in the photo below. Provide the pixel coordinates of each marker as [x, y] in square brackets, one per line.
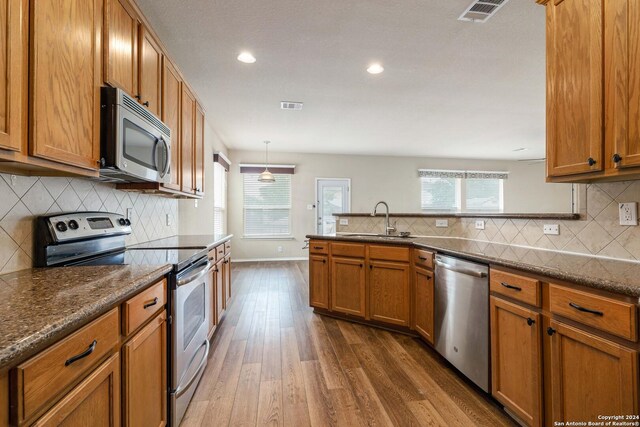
[219, 251]
[316, 247]
[518, 287]
[423, 258]
[353, 250]
[143, 306]
[609, 315]
[389, 253]
[227, 248]
[42, 378]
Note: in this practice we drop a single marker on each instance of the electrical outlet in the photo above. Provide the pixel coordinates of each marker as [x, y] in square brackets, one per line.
[195, 203]
[279, 249]
[553, 229]
[344, 221]
[629, 213]
[14, 180]
[169, 220]
[479, 224]
[130, 214]
[309, 207]
[442, 223]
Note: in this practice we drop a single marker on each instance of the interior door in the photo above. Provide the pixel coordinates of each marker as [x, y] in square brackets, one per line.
[333, 197]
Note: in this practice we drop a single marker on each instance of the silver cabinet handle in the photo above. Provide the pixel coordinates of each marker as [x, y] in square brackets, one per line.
[468, 272]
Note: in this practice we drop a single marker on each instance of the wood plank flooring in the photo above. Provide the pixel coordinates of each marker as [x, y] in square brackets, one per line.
[274, 362]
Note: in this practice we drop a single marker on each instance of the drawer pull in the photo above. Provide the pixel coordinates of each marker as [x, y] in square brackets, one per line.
[318, 247]
[508, 286]
[586, 310]
[422, 258]
[550, 331]
[530, 321]
[151, 304]
[83, 354]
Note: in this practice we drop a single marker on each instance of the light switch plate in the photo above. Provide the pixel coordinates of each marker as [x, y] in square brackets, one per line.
[169, 220]
[344, 221]
[442, 223]
[479, 224]
[553, 229]
[629, 213]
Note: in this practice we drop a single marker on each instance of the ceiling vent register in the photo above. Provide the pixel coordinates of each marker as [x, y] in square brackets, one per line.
[482, 10]
[289, 105]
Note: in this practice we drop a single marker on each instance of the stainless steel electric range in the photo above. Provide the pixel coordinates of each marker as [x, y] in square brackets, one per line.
[98, 238]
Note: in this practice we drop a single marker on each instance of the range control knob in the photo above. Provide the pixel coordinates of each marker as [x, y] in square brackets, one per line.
[73, 224]
[122, 222]
[127, 221]
[61, 226]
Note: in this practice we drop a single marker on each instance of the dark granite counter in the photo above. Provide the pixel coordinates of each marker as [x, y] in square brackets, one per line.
[42, 305]
[621, 277]
[203, 241]
[560, 216]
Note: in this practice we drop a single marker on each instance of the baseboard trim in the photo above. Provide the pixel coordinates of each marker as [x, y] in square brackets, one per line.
[270, 259]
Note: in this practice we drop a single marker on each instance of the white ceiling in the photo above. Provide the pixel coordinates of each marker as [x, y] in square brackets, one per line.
[450, 88]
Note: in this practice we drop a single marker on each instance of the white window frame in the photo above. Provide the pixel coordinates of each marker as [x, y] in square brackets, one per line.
[289, 235]
[220, 200]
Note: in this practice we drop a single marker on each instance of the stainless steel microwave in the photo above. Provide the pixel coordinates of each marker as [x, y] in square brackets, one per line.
[135, 146]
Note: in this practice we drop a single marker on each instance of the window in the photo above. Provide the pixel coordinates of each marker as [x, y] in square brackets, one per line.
[267, 206]
[219, 198]
[462, 191]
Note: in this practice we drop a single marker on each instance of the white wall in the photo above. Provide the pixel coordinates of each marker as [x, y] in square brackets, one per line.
[199, 219]
[393, 179]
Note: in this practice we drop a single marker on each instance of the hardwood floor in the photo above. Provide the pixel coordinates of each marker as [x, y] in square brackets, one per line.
[274, 362]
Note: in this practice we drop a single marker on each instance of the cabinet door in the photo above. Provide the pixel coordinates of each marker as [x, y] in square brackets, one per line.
[121, 46]
[187, 127]
[13, 73]
[516, 360]
[348, 286]
[591, 376]
[65, 81]
[213, 318]
[574, 86]
[622, 78]
[198, 167]
[319, 281]
[150, 75]
[145, 375]
[220, 291]
[95, 401]
[423, 306]
[226, 277]
[389, 300]
[171, 116]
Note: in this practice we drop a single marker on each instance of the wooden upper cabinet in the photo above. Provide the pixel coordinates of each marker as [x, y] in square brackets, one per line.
[121, 46]
[319, 281]
[389, 299]
[171, 108]
[66, 76]
[199, 156]
[516, 360]
[187, 126]
[13, 48]
[591, 376]
[150, 72]
[622, 82]
[423, 302]
[575, 132]
[348, 286]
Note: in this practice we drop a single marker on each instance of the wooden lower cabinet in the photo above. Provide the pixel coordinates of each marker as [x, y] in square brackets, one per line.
[4, 399]
[319, 281]
[95, 401]
[423, 303]
[145, 375]
[213, 319]
[219, 286]
[590, 376]
[348, 286]
[389, 299]
[226, 278]
[516, 360]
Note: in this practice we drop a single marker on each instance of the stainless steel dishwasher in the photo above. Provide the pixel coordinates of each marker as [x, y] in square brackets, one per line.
[462, 317]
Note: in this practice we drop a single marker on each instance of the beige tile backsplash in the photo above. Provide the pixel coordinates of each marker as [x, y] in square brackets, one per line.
[598, 233]
[22, 198]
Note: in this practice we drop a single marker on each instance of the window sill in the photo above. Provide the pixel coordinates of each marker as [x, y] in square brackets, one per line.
[268, 238]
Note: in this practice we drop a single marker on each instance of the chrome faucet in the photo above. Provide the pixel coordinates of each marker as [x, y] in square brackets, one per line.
[388, 229]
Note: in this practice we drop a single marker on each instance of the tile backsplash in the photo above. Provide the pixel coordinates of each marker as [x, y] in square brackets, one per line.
[22, 198]
[597, 233]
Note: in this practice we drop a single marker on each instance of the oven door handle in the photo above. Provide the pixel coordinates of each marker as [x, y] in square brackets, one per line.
[183, 388]
[201, 272]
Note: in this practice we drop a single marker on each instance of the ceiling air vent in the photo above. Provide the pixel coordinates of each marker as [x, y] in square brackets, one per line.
[481, 10]
[289, 105]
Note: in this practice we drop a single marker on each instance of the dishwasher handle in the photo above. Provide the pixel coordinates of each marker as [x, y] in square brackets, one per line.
[462, 270]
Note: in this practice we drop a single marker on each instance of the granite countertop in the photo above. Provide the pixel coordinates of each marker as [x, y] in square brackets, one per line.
[622, 277]
[203, 241]
[562, 216]
[39, 306]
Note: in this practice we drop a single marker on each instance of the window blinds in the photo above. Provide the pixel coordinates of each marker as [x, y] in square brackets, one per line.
[267, 206]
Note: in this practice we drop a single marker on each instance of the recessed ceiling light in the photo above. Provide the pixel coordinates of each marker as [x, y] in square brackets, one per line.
[521, 149]
[375, 69]
[247, 58]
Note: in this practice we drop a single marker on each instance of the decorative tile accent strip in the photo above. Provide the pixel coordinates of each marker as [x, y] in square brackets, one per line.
[599, 233]
[25, 197]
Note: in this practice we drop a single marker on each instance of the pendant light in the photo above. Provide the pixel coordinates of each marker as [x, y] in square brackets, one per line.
[266, 175]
